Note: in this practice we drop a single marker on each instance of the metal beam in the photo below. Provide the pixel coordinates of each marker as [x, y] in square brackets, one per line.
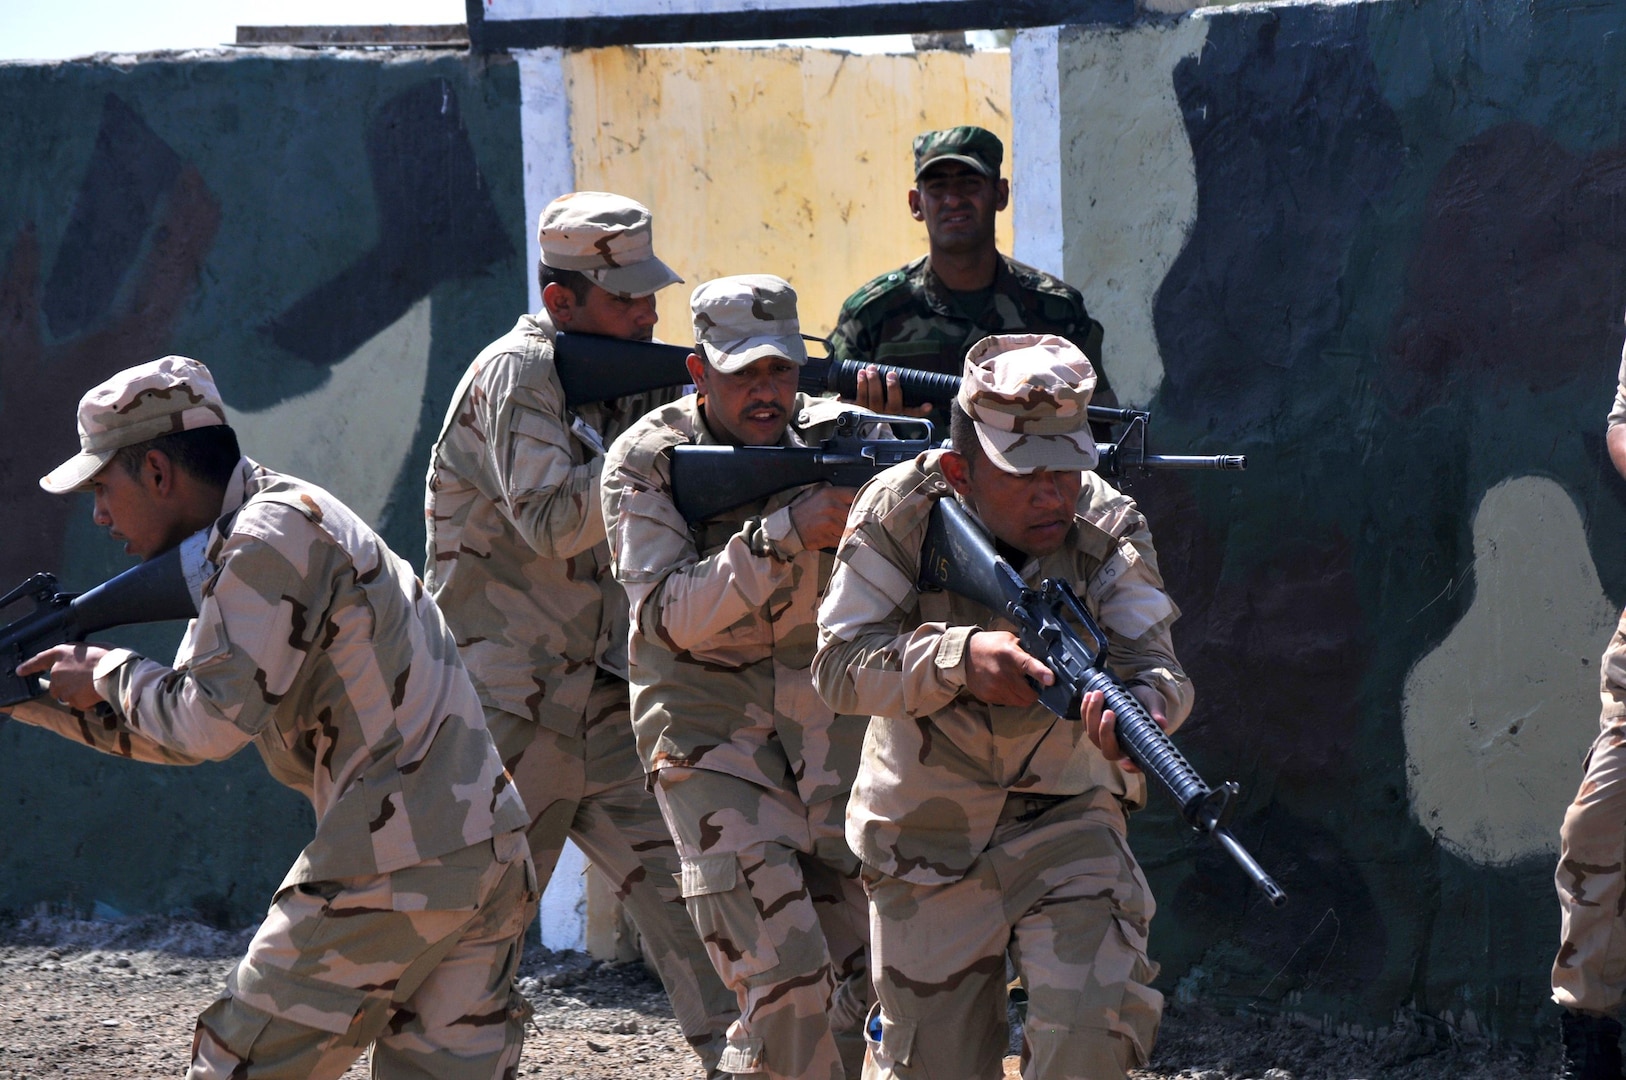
[443, 36]
[490, 35]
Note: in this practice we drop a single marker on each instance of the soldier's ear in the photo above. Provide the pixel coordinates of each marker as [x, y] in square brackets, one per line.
[560, 302]
[1002, 193]
[698, 370]
[957, 471]
[914, 205]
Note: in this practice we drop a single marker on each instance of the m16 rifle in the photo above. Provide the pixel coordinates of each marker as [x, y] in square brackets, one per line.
[707, 480]
[593, 367]
[1129, 452]
[157, 590]
[1056, 629]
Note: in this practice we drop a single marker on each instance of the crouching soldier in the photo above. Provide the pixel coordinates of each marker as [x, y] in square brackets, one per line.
[987, 826]
[400, 924]
[750, 768]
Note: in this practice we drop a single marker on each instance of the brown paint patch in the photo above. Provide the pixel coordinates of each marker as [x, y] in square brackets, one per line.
[43, 383]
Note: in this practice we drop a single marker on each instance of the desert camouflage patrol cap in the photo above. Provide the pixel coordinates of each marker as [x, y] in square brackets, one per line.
[977, 147]
[605, 237]
[1028, 395]
[739, 320]
[160, 397]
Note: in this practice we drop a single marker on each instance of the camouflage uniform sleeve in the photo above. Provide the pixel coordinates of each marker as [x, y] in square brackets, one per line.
[100, 730]
[552, 502]
[854, 337]
[262, 614]
[1134, 609]
[871, 661]
[1617, 415]
[677, 597]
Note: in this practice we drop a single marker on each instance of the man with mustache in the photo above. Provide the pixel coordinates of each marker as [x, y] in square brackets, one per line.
[517, 560]
[751, 770]
[988, 827]
[928, 313]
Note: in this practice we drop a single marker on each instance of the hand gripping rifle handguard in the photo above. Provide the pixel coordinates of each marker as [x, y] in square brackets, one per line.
[1056, 629]
[594, 367]
[162, 588]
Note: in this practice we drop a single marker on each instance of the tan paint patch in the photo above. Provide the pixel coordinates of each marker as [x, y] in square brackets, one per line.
[1497, 718]
[352, 434]
[1129, 184]
[785, 161]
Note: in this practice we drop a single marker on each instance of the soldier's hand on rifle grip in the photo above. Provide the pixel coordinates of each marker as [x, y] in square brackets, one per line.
[1102, 726]
[883, 395]
[70, 669]
[820, 515]
[999, 672]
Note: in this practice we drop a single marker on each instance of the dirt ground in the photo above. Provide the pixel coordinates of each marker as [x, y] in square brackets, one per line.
[117, 1000]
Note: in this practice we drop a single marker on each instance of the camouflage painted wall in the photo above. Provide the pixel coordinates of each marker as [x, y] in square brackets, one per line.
[1378, 247]
[1381, 250]
[335, 235]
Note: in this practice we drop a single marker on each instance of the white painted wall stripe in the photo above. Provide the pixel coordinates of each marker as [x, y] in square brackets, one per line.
[1036, 157]
[549, 159]
[550, 171]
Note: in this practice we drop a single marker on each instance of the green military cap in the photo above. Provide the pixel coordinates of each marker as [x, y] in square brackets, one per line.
[977, 147]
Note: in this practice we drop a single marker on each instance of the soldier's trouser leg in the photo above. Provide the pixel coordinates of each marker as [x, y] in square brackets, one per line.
[1058, 888]
[744, 849]
[592, 790]
[833, 882]
[421, 960]
[1589, 973]
[619, 828]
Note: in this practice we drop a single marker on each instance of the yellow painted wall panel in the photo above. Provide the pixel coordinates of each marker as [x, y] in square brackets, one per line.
[786, 161]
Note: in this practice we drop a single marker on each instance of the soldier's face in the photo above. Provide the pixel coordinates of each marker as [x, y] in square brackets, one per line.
[136, 509]
[1031, 512]
[957, 204]
[749, 407]
[631, 318]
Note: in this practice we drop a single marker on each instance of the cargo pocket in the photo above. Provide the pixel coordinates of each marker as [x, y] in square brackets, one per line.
[726, 915]
[744, 1056]
[891, 1041]
[313, 1003]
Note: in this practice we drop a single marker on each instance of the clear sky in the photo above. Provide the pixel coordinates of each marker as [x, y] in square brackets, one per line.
[60, 29]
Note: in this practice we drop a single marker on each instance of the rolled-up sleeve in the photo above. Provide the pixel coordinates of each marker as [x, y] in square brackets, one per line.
[676, 596]
[871, 660]
[262, 615]
[532, 475]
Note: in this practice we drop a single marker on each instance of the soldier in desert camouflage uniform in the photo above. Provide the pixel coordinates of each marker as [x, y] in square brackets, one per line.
[517, 560]
[987, 826]
[928, 313]
[401, 922]
[751, 769]
[1589, 975]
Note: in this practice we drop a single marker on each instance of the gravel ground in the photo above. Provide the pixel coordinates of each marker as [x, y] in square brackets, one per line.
[118, 999]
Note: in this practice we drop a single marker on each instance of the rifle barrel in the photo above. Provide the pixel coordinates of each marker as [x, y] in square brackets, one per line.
[1235, 462]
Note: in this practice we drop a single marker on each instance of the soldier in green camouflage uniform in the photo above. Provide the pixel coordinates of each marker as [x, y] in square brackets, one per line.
[1589, 974]
[401, 922]
[987, 826]
[929, 313]
[517, 560]
[751, 769]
